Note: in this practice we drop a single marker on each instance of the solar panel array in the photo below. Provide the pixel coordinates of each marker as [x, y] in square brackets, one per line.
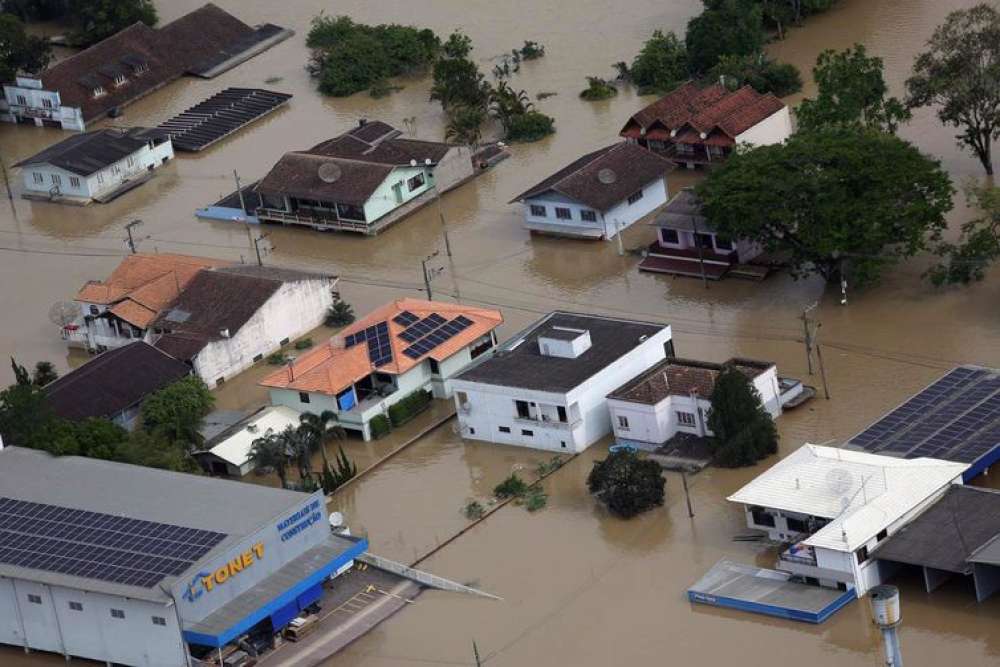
[956, 419]
[98, 546]
[377, 337]
[405, 318]
[437, 336]
[422, 328]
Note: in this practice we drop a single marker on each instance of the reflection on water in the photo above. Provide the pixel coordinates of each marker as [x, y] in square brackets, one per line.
[579, 587]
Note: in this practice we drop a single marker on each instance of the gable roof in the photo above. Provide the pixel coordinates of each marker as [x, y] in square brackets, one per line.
[631, 165]
[705, 110]
[233, 445]
[682, 377]
[860, 493]
[113, 381]
[332, 367]
[90, 152]
[392, 151]
[297, 174]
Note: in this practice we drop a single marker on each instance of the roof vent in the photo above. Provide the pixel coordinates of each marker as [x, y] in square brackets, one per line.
[563, 342]
[329, 172]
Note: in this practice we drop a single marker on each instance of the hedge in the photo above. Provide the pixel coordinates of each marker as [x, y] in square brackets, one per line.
[379, 426]
[409, 407]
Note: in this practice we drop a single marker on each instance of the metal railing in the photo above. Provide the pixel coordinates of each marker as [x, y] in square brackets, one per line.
[548, 422]
[802, 559]
[328, 223]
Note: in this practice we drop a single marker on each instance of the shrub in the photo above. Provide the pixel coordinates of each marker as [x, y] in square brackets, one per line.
[530, 126]
[410, 406]
[531, 50]
[546, 467]
[726, 27]
[598, 89]
[340, 314]
[474, 510]
[304, 344]
[276, 359]
[627, 484]
[512, 487]
[379, 426]
[536, 499]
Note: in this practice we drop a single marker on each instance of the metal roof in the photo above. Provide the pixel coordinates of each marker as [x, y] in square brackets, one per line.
[860, 493]
[220, 115]
[234, 445]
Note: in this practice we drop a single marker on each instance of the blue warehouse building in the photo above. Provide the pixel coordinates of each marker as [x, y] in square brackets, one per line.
[137, 566]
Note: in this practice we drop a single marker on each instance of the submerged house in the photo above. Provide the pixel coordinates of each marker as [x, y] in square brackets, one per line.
[227, 319]
[545, 388]
[361, 181]
[95, 166]
[405, 346]
[120, 309]
[701, 126]
[688, 245]
[102, 79]
[599, 194]
[227, 454]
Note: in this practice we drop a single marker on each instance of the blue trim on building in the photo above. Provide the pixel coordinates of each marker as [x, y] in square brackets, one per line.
[288, 597]
[774, 610]
[980, 465]
[226, 214]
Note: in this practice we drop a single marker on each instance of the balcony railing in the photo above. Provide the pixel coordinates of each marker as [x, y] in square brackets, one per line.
[550, 423]
[326, 223]
[802, 556]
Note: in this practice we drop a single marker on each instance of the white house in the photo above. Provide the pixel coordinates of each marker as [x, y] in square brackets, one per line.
[227, 454]
[545, 388]
[229, 318]
[362, 181]
[674, 396]
[834, 506]
[95, 166]
[701, 126]
[405, 346]
[599, 194]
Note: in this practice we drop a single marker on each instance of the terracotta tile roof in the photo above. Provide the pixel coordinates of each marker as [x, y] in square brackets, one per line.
[330, 368]
[633, 167]
[682, 377]
[297, 175]
[705, 110]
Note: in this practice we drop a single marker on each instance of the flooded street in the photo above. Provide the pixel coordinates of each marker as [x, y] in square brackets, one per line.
[579, 588]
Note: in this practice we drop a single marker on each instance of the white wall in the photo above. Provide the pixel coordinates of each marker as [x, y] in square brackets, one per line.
[774, 129]
[620, 216]
[623, 215]
[70, 118]
[453, 169]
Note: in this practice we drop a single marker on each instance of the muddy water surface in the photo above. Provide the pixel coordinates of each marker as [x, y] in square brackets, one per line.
[579, 588]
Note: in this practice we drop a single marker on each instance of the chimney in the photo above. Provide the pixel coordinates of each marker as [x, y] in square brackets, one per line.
[362, 122]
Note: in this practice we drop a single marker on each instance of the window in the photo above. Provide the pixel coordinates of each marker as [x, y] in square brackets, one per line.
[221, 381]
[47, 103]
[284, 341]
[634, 197]
[119, 79]
[685, 418]
[796, 525]
[159, 620]
[538, 211]
[882, 534]
[76, 606]
[74, 181]
[98, 91]
[94, 310]
[117, 613]
[100, 178]
[723, 244]
[670, 236]
[130, 161]
[115, 169]
[522, 409]
[38, 177]
[435, 367]
[22, 100]
[623, 422]
[504, 429]
[562, 413]
[588, 216]
[303, 397]
[526, 432]
[415, 182]
[564, 213]
[562, 443]
[56, 179]
[862, 554]
[258, 357]
[34, 599]
[472, 431]
[762, 518]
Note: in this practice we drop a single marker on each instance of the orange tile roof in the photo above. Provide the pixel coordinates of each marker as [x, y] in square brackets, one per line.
[331, 368]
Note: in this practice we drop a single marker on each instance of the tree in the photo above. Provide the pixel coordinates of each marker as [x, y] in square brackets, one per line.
[340, 314]
[176, 411]
[758, 72]
[979, 245]
[960, 76]
[506, 104]
[321, 429]
[301, 447]
[852, 92]
[530, 126]
[661, 65]
[45, 372]
[36, 10]
[627, 484]
[458, 45]
[743, 431]
[21, 376]
[270, 451]
[465, 125]
[725, 28]
[95, 20]
[25, 419]
[334, 479]
[19, 51]
[832, 200]
[459, 83]
[598, 89]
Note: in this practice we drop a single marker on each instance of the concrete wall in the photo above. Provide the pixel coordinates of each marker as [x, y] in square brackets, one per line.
[384, 200]
[296, 308]
[103, 332]
[774, 129]
[453, 169]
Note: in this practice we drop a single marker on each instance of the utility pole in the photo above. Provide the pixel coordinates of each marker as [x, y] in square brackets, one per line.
[475, 652]
[428, 274]
[239, 191]
[808, 336]
[819, 357]
[256, 247]
[6, 181]
[618, 236]
[687, 494]
[701, 252]
[128, 230]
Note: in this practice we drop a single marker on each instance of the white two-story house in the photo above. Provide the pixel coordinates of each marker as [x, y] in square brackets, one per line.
[95, 166]
[405, 346]
[598, 195]
[546, 387]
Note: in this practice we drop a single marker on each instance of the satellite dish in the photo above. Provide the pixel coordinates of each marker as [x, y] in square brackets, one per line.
[840, 480]
[336, 519]
[329, 172]
[607, 176]
[413, 163]
[64, 313]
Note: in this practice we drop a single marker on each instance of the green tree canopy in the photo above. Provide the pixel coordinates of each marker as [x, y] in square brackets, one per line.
[627, 484]
[661, 65]
[758, 72]
[959, 75]
[724, 28]
[852, 92]
[271, 451]
[979, 245]
[744, 432]
[19, 51]
[459, 83]
[95, 20]
[176, 411]
[831, 200]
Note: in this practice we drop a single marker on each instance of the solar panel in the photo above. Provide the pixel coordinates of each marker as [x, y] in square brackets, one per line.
[445, 331]
[97, 546]
[405, 318]
[377, 338]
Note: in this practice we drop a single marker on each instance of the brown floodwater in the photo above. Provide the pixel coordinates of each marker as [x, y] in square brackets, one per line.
[579, 588]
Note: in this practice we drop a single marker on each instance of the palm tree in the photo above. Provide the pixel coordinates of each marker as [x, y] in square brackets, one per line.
[465, 126]
[271, 451]
[320, 429]
[506, 103]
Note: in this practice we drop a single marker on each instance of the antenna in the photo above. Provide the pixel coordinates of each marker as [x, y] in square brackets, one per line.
[329, 172]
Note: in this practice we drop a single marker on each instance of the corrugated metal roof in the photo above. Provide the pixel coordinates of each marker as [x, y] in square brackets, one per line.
[860, 493]
[235, 447]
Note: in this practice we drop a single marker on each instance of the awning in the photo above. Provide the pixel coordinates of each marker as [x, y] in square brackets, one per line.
[280, 596]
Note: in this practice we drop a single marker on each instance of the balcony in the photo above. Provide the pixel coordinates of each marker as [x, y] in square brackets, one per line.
[324, 221]
[798, 554]
[548, 423]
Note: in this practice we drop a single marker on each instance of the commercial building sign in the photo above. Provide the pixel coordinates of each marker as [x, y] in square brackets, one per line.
[205, 582]
[296, 523]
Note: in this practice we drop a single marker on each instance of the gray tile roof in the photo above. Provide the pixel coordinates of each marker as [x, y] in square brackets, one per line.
[89, 152]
